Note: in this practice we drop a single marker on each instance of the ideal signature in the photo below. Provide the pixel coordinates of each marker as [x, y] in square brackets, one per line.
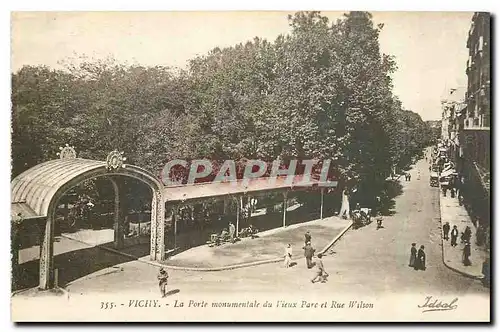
[434, 304]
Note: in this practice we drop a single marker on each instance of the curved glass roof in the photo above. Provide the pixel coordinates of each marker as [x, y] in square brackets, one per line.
[36, 187]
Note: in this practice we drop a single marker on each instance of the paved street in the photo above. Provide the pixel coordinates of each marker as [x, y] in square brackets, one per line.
[366, 261]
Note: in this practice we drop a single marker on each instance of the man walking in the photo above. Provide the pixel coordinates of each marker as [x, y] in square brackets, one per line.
[413, 255]
[454, 236]
[163, 281]
[308, 254]
[467, 234]
[446, 230]
[288, 255]
[307, 237]
[320, 273]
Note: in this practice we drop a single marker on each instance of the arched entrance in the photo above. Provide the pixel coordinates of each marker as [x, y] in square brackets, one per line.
[37, 191]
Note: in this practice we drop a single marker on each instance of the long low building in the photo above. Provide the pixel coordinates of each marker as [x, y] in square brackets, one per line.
[35, 195]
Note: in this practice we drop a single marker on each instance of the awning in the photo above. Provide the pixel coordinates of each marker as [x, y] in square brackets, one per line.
[203, 191]
[448, 172]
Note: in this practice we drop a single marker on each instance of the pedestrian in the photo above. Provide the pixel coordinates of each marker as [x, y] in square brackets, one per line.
[378, 205]
[409, 176]
[485, 270]
[413, 255]
[444, 188]
[163, 281]
[466, 254]
[379, 221]
[452, 192]
[224, 235]
[307, 237]
[446, 230]
[420, 263]
[454, 236]
[232, 231]
[467, 234]
[345, 208]
[418, 175]
[308, 254]
[321, 274]
[288, 255]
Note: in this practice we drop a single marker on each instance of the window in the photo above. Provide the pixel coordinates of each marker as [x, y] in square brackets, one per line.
[486, 119]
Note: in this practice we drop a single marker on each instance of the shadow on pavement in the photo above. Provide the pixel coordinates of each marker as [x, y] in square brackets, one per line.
[72, 265]
[173, 291]
[392, 189]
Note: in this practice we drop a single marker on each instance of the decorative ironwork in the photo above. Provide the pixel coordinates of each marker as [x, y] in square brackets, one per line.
[67, 152]
[115, 160]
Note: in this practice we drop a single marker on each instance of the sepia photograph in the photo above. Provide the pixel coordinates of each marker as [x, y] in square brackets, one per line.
[250, 166]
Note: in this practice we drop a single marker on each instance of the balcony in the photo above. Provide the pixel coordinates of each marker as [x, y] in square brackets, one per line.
[481, 122]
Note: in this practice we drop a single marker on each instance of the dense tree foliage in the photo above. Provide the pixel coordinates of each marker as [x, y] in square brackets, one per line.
[322, 91]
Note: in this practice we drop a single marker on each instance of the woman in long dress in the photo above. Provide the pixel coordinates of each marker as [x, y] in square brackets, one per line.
[466, 254]
[413, 255]
[288, 256]
[420, 264]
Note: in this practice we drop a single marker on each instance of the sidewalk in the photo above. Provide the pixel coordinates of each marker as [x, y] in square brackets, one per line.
[455, 214]
[268, 248]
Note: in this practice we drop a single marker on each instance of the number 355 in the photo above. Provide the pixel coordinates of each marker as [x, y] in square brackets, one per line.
[108, 305]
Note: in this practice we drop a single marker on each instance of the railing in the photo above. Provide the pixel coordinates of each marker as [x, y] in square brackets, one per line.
[138, 227]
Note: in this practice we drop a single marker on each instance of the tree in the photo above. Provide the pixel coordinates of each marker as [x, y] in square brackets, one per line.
[323, 91]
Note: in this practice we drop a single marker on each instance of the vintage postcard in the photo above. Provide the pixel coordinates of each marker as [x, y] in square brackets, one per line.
[250, 166]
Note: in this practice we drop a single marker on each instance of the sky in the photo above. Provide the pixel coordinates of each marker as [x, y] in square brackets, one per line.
[429, 47]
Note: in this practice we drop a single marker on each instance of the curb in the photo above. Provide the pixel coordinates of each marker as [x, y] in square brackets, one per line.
[237, 266]
[468, 275]
[207, 269]
[63, 291]
[213, 269]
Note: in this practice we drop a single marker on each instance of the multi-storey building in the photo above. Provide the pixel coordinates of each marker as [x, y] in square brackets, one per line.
[474, 124]
[453, 106]
[477, 114]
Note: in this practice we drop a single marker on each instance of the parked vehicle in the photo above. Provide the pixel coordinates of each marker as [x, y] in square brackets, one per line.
[361, 217]
[434, 179]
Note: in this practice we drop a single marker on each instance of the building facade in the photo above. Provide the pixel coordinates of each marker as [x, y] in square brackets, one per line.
[474, 122]
[477, 114]
[452, 110]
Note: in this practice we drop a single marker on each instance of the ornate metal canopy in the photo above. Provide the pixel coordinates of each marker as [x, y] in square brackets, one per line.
[33, 191]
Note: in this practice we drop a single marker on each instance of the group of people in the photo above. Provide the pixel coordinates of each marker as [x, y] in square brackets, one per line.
[407, 176]
[417, 258]
[320, 275]
[229, 234]
[464, 238]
